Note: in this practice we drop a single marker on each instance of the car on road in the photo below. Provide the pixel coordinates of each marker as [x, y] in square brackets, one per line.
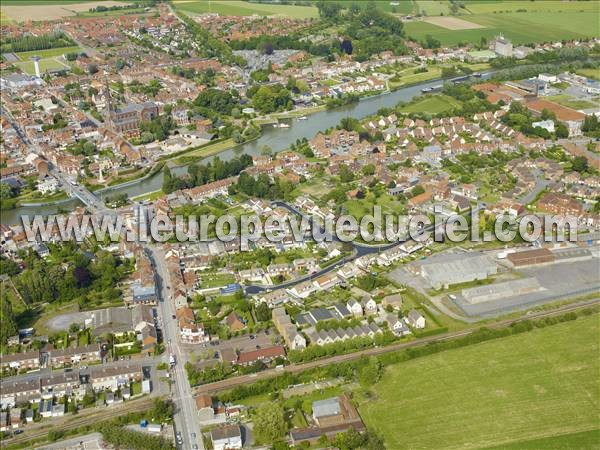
[195, 447]
[17, 431]
[193, 435]
[179, 438]
[174, 316]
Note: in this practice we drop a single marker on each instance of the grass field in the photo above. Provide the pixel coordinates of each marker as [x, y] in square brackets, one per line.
[590, 73]
[45, 64]
[497, 6]
[570, 102]
[240, 8]
[574, 441]
[432, 105]
[48, 53]
[521, 28]
[433, 7]
[534, 385]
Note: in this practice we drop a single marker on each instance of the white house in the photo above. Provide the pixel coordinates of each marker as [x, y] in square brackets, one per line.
[397, 326]
[355, 308]
[415, 319]
[228, 437]
[369, 306]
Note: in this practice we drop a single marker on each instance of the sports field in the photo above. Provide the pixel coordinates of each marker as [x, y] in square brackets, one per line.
[45, 64]
[48, 53]
[432, 105]
[534, 385]
[240, 8]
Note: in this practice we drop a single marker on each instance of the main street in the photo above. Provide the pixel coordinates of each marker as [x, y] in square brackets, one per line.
[185, 416]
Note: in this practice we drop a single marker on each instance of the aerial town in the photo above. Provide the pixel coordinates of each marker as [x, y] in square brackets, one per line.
[476, 113]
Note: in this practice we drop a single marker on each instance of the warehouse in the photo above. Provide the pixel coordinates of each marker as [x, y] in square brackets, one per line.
[442, 271]
[531, 257]
[498, 291]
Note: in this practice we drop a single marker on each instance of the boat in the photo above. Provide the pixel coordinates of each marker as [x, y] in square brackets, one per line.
[302, 118]
[427, 89]
[283, 125]
[477, 74]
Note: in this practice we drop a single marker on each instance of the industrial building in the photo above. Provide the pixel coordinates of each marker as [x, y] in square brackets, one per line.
[441, 271]
[531, 257]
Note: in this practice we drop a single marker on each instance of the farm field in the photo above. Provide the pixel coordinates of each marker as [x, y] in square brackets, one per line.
[521, 28]
[240, 8]
[433, 7]
[432, 105]
[490, 7]
[582, 440]
[534, 385]
[48, 10]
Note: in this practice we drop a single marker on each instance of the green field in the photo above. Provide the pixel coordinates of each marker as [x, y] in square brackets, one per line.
[574, 441]
[433, 7]
[521, 28]
[570, 102]
[497, 6]
[48, 53]
[240, 8]
[534, 385]
[432, 105]
[45, 64]
[590, 73]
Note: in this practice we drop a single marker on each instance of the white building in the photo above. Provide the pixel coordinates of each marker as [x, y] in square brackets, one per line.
[48, 185]
[503, 47]
[228, 437]
[545, 124]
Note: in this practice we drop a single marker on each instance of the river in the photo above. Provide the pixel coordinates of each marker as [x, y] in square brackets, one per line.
[276, 138]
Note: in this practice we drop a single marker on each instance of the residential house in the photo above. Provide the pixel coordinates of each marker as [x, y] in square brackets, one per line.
[415, 319]
[227, 437]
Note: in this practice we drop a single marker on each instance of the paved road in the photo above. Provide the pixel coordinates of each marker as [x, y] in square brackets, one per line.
[185, 416]
[295, 368]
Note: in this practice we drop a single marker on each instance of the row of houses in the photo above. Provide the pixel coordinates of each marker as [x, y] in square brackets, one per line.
[53, 358]
[77, 382]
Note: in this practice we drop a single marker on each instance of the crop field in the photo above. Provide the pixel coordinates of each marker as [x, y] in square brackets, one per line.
[432, 105]
[521, 28]
[433, 7]
[240, 8]
[49, 10]
[498, 6]
[532, 386]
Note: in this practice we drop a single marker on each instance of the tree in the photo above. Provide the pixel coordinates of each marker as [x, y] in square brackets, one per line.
[580, 164]
[370, 373]
[345, 174]
[92, 69]
[269, 424]
[263, 313]
[8, 320]
[562, 132]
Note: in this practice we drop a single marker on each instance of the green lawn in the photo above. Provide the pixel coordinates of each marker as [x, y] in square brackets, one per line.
[211, 280]
[534, 385]
[48, 53]
[521, 28]
[45, 64]
[432, 105]
[240, 8]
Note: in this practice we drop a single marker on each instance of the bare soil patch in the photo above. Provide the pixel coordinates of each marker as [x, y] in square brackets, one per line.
[452, 23]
